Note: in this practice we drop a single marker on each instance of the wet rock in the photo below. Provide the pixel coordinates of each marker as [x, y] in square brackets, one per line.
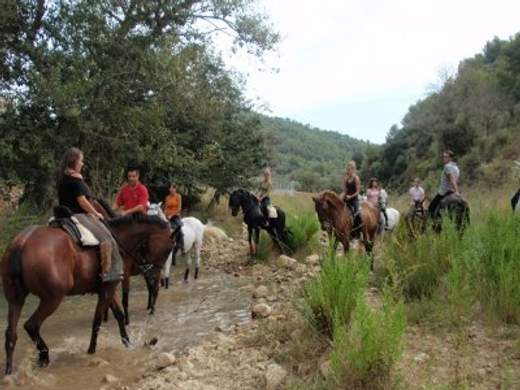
[274, 376]
[261, 310]
[108, 378]
[312, 260]
[261, 292]
[325, 368]
[98, 362]
[164, 360]
[286, 262]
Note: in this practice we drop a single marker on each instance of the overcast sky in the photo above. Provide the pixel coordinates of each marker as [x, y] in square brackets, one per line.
[356, 66]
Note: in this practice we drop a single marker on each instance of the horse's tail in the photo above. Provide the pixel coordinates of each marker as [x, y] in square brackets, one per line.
[15, 271]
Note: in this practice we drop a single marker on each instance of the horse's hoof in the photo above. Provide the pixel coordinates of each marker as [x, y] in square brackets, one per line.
[43, 361]
[125, 341]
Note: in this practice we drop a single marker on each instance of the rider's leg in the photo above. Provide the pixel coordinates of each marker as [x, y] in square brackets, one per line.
[434, 205]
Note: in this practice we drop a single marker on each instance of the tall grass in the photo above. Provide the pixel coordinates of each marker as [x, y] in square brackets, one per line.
[418, 266]
[363, 354]
[304, 228]
[332, 296]
[481, 266]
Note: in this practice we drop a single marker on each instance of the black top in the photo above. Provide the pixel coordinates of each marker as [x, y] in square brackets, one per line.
[70, 189]
[350, 186]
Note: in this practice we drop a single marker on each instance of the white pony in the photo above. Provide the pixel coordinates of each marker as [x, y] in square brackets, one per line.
[194, 232]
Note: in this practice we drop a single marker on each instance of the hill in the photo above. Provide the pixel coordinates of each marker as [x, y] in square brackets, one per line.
[475, 113]
[315, 159]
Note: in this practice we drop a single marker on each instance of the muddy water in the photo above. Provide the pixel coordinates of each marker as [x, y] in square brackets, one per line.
[186, 314]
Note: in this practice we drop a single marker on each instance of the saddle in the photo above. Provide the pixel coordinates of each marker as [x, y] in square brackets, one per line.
[65, 220]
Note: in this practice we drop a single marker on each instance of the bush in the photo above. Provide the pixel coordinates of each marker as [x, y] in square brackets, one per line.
[304, 230]
[492, 260]
[418, 266]
[363, 354]
[333, 295]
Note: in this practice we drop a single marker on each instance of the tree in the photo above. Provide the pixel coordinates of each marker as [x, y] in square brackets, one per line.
[123, 80]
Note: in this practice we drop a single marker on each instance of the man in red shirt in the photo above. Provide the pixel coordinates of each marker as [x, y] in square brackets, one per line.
[133, 196]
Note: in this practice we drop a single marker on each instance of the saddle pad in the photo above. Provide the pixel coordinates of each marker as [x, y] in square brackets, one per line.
[271, 211]
[79, 233]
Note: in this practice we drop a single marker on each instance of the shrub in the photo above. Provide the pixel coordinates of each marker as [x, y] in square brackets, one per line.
[332, 296]
[363, 354]
[304, 229]
[418, 266]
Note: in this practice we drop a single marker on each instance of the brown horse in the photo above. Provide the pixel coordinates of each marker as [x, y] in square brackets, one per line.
[46, 262]
[136, 263]
[336, 218]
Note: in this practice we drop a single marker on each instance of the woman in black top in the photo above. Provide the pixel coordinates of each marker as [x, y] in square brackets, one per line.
[72, 190]
[74, 193]
[352, 186]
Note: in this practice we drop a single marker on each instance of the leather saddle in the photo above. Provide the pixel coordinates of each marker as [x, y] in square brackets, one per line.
[65, 220]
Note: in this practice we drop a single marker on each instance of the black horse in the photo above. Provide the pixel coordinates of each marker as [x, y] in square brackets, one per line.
[256, 220]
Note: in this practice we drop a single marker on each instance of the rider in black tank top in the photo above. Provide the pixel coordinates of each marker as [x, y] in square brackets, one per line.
[352, 188]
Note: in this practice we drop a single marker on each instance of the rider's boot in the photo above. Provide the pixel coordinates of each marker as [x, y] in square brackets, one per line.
[179, 240]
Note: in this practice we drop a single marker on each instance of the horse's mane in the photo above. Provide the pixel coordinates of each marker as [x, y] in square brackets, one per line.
[110, 211]
[333, 198]
[151, 220]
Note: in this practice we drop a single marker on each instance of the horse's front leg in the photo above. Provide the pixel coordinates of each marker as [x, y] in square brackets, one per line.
[252, 247]
[120, 317]
[105, 297]
[126, 291]
[154, 293]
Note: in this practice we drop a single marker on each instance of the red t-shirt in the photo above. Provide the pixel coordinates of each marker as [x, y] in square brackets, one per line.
[130, 197]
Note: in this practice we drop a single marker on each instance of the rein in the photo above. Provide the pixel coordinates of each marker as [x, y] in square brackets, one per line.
[141, 262]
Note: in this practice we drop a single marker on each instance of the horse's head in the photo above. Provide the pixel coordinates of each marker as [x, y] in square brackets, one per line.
[237, 199]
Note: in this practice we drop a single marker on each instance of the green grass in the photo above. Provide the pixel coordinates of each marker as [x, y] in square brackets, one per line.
[331, 297]
[304, 230]
[364, 354]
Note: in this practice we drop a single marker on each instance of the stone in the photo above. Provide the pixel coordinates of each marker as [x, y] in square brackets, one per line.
[300, 268]
[261, 310]
[8, 381]
[325, 368]
[164, 359]
[312, 259]
[98, 362]
[286, 262]
[274, 376]
[261, 292]
[108, 378]
[421, 357]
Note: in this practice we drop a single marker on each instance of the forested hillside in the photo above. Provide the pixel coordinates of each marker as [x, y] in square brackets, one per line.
[476, 113]
[315, 159]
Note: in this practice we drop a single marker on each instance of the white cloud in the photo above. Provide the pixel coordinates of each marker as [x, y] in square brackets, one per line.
[338, 52]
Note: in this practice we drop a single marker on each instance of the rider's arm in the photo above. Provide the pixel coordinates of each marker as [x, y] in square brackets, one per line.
[87, 206]
[453, 182]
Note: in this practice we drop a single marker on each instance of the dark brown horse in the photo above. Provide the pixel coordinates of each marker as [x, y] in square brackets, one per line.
[335, 218]
[135, 262]
[46, 262]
